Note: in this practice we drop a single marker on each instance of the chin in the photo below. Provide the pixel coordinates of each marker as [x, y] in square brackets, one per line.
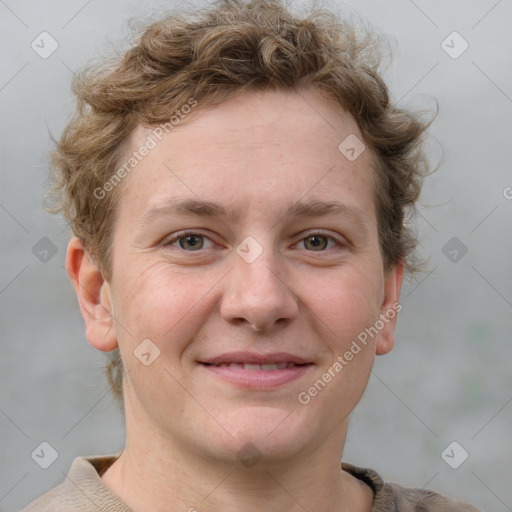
[265, 434]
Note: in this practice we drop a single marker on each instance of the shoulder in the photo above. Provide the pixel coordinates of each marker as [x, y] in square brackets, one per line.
[82, 489]
[54, 500]
[392, 497]
[424, 500]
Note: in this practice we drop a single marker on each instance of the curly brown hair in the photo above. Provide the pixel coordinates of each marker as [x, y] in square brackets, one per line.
[210, 55]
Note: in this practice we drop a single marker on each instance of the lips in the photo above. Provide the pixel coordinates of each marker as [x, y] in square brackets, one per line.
[256, 366]
[250, 358]
[257, 371]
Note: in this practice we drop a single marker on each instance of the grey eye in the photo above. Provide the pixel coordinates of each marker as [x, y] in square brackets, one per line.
[316, 242]
[191, 242]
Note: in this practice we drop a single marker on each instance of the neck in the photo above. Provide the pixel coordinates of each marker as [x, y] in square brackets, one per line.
[152, 475]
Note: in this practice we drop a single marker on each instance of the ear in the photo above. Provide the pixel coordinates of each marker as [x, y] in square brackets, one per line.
[389, 309]
[93, 294]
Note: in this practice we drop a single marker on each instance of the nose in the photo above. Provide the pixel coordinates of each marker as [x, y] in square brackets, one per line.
[257, 296]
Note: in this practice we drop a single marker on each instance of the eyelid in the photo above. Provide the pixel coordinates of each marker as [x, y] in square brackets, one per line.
[339, 240]
[168, 241]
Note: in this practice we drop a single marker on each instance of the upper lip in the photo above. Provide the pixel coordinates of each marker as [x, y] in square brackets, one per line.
[255, 358]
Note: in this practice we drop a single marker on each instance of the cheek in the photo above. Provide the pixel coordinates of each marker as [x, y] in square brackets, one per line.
[164, 306]
[342, 311]
[346, 303]
[347, 306]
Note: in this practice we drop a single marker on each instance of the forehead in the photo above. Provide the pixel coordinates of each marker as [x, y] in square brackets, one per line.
[257, 149]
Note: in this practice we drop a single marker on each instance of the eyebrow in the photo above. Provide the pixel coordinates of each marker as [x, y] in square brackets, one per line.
[299, 209]
[186, 207]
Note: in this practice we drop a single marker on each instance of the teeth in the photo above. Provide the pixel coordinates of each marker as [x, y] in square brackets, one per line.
[254, 367]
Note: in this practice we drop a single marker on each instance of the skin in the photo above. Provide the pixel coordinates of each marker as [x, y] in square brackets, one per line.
[255, 154]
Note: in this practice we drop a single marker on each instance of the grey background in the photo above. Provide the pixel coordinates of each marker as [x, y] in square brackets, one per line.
[449, 377]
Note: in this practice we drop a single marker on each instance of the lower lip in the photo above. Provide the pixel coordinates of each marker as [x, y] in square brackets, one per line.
[258, 379]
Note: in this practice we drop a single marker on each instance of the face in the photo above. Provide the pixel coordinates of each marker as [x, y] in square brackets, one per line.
[246, 254]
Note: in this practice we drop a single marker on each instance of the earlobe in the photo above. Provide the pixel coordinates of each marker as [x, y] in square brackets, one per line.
[93, 294]
[389, 309]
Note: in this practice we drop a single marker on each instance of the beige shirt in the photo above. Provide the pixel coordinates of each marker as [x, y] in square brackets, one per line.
[83, 491]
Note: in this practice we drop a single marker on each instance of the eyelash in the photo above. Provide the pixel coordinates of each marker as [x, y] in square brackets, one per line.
[185, 234]
[181, 235]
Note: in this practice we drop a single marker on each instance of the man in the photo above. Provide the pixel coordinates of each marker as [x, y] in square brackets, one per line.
[237, 186]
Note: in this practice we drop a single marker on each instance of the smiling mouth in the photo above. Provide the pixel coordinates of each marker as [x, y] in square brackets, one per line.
[257, 373]
[257, 367]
